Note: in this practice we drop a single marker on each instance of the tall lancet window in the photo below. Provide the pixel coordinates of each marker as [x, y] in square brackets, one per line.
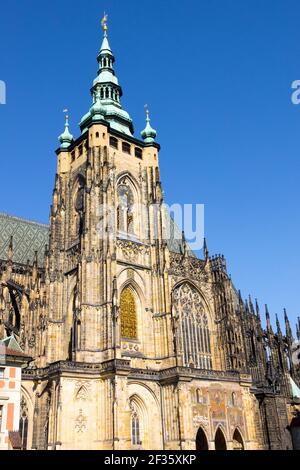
[136, 430]
[125, 211]
[128, 314]
[193, 333]
[23, 424]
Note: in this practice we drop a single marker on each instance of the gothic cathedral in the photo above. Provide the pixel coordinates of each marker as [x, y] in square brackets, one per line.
[135, 342]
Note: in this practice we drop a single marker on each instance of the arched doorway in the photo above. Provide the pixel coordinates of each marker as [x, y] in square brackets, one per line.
[220, 443]
[201, 440]
[237, 443]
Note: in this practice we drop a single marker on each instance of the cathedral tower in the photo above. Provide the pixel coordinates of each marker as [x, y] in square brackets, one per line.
[137, 343]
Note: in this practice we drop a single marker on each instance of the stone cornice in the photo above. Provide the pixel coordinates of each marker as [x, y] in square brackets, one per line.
[122, 366]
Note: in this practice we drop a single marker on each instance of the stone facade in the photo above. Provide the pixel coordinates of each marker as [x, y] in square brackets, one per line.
[137, 343]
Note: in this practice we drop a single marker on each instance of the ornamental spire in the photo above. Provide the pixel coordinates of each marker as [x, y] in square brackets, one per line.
[106, 86]
[148, 134]
[66, 137]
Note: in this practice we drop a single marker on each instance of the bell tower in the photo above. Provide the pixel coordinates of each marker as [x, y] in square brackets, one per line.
[105, 238]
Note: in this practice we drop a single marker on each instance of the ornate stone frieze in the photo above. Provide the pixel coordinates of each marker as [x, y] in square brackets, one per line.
[133, 252]
[188, 267]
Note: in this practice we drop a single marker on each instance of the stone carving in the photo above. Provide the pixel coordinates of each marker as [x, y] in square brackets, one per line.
[131, 250]
[188, 267]
[81, 422]
[82, 389]
[200, 421]
[192, 327]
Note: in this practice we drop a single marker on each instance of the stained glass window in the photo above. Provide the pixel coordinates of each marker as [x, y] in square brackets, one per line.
[194, 334]
[128, 314]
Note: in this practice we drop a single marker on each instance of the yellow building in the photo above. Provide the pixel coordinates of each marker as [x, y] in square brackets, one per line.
[138, 344]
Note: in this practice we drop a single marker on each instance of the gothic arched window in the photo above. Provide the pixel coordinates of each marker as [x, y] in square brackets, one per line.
[136, 424]
[135, 428]
[192, 327]
[125, 209]
[23, 423]
[128, 314]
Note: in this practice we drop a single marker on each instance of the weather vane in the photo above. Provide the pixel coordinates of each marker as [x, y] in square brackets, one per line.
[104, 22]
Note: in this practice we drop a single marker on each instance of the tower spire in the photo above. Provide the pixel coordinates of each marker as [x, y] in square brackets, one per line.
[269, 326]
[278, 327]
[148, 134]
[106, 86]
[288, 328]
[66, 137]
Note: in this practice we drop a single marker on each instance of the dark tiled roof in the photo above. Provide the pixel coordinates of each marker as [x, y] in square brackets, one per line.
[28, 237]
[13, 352]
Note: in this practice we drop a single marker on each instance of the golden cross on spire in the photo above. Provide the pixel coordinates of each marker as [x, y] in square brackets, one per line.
[104, 22]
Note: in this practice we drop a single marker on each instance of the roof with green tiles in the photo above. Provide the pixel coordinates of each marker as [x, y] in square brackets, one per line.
[28, 237]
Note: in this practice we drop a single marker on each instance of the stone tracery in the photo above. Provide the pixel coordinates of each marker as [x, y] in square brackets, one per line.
[192, 326]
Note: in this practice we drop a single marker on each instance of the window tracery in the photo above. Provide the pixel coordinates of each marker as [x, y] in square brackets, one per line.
[128, 314]
[23, 423]
[193, 328]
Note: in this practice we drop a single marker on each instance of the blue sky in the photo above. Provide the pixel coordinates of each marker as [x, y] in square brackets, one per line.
[217, 76]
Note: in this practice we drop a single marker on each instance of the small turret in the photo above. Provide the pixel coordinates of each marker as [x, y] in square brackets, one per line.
[148, 134]
[66, 137]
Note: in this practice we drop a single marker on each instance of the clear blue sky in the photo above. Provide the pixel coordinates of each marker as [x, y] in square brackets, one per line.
[217, 76]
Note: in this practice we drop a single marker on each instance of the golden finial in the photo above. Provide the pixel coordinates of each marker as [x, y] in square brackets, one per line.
[104, 23]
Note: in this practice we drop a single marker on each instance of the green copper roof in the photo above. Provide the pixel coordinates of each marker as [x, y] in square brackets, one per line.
[28, 237]
[11, 343]
[106, 88]
[148, 134]
[66, 137]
